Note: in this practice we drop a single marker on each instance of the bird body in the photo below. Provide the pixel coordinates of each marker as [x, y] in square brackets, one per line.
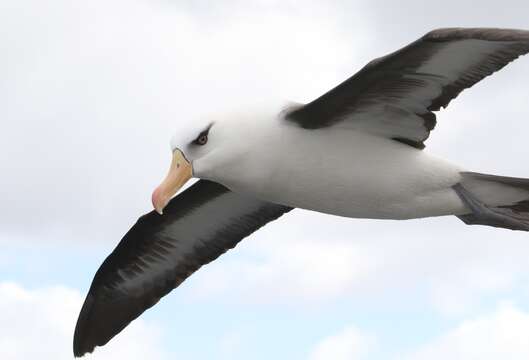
[335, 170]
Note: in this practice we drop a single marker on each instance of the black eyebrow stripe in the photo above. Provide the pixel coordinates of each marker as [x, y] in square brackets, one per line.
[203, 132]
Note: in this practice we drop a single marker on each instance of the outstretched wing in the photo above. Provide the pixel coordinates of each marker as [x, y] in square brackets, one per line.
[395, 96]
[159, 252]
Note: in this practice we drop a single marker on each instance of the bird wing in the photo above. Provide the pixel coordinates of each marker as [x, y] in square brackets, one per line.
[395, 96]
[159, 252]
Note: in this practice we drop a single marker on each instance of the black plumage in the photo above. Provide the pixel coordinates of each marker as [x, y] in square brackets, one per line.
[397, 89]
[160, 252]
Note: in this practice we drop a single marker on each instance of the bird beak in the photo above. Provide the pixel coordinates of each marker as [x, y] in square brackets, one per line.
[179, 172]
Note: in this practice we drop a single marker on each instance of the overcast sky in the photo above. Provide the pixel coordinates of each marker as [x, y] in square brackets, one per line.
[90, 95]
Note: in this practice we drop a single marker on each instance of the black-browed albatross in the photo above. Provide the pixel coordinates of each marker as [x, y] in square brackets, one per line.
[356, 151]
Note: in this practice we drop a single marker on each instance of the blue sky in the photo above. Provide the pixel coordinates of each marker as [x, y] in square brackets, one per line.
[91, 95]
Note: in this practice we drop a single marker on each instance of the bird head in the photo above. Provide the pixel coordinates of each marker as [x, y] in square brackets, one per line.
[188, 147]
[213, 148]
[226, 149]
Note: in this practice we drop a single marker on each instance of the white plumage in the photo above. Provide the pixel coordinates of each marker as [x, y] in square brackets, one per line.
[333, 170]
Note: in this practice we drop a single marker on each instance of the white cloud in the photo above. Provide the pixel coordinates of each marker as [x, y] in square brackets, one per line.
[307, 258]
[459, 292]
[293, 267]
[348, 344]
[499, 335]
[39, 324]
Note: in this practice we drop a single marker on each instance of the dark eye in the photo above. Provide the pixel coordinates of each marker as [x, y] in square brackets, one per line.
[202, 139]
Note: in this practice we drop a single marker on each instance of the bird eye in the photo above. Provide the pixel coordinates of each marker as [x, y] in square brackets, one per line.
[202, 139]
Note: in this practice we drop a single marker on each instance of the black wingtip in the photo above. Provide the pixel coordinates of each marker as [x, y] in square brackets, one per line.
[99, 321]
[94, 326]
[81, 342]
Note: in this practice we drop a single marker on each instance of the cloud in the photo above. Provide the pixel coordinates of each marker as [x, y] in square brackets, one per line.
[289, 269]
[307, 258]
[39, 324]
[499, 335]
[348, 344]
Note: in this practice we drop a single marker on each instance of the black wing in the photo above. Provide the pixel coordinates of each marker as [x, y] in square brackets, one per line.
[159, 252]
[395, 96]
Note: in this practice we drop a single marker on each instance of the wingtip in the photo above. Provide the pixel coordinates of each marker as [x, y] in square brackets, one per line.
[78, 354]
[80, 346]
[80, 351]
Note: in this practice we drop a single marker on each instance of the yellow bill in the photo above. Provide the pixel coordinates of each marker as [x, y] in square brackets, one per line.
[179, 172]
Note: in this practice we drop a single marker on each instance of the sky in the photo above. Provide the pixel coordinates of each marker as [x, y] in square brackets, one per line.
[90, 95]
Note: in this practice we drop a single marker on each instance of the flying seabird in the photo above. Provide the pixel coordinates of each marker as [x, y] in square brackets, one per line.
[356, 151]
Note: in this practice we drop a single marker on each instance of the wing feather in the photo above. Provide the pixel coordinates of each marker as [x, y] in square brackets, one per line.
[395, 96]
[160, 252]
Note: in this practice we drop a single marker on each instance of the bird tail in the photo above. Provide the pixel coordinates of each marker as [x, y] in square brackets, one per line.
[497, 201]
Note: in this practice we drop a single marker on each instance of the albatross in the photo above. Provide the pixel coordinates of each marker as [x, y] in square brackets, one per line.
[356, 151]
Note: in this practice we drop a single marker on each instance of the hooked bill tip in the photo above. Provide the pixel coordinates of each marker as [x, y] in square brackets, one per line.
[157, 202]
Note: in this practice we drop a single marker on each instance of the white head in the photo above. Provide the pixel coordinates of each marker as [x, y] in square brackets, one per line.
[212, 149]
